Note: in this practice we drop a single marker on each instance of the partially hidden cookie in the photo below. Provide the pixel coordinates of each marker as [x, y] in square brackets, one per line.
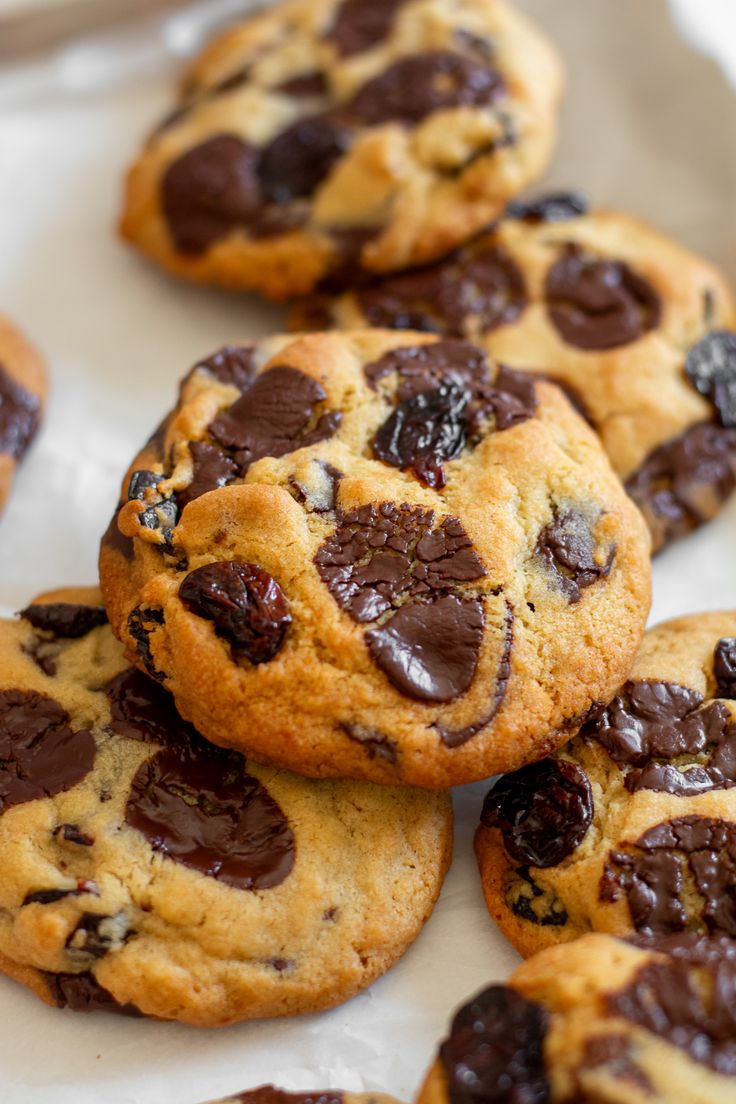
[376, 555]
[631, 828]
[22, 398]
[147, 872]
[268, 1094]
[640, 332]
[330, 135]
[598, 1021]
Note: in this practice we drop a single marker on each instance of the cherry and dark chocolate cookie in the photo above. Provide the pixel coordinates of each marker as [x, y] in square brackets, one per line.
[267, 166]
[599, 1019]
[22, 399]
[340, 554]
[632, 828]
[640, 334]
[149, 872]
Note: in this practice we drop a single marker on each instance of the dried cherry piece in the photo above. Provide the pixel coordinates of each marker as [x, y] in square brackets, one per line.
[209, 191]
[20, 416]
[494, 1053]
[300, 157]
[567, 544]
[64, 620]
[424, 431]
[246, 605]
[417, 85]
[711, 368]
[542, 810]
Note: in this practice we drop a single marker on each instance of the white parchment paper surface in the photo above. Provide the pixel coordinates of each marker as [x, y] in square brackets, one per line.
[649, 125]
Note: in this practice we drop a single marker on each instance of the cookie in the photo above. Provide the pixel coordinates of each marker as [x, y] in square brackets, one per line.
[268, 1094]
[376, 555]
[22, 398]
[631, 828]
[599, 1021]
[640, 332]
[327, 136]
[149, 873]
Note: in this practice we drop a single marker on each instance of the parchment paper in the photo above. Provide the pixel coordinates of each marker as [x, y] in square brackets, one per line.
[648, 125]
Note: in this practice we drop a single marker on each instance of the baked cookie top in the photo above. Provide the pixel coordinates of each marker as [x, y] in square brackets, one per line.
[376, 555]
[22, 398]
[598, 1020]
[327, 135]
[639, 331]
[268, 1094]
[631, 828]
[148, 872]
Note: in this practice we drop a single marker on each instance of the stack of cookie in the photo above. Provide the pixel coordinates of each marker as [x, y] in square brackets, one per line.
[409, 549]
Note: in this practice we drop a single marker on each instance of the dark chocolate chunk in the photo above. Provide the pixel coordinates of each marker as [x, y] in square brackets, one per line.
[313, 83]
[375, 743]
[276, 415]
[552, 207]
[298, 159]
[196, 804]
[161, 510]
[381, 554]
[360, 24]
[650, 726]
[567, 545]
[615, 1054]
[116, 541]
[246, 605]
[684, 482]
[543, 811]
[40, 755]
[96, 934]
[651, 872]
[20, 416]
[279, 218]
[530, 902]
[232, 364]
[141, 710]
[211, 468]
[430, 650]
[64, 620]
[494, 1053]
[711, 368]
[422, 368]
[724, 667]
[319, 497]
[423, 432]
[456, 737]
[51, 896]
[71, 833]
[687, 999]
[599, 304]
[419, 84]
[83, 993]
[209, 191]
[141, 623]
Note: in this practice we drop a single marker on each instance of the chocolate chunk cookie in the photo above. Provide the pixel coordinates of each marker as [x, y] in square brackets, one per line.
[376, 555]
[147, 872]
[640, 333]
[319, 140]
[598, 1020]
[22, 399]
[269, 1094]
[631, 828]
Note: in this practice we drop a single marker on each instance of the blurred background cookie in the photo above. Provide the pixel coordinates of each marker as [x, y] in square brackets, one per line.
[598, 1020]
[640, 333]
[22, 399]
[326, 136]
[631, 828]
